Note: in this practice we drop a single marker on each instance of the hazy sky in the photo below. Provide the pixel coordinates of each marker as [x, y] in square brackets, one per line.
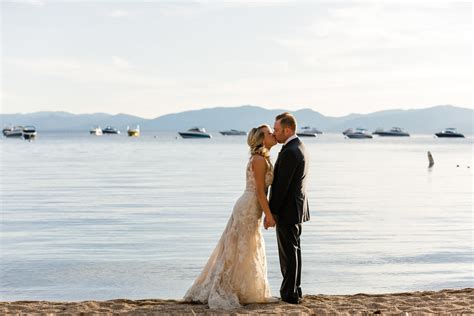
[155, 57]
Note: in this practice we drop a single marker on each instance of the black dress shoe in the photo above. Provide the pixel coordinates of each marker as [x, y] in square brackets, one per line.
[291, 300]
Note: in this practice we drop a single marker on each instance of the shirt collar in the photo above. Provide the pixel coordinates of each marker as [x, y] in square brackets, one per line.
[290, 139]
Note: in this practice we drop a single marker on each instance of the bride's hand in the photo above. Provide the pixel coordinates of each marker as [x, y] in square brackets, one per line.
[269, 222]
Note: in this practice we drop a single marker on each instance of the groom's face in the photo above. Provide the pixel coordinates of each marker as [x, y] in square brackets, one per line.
[279, 132]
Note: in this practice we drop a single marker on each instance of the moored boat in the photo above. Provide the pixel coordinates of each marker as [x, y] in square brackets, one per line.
[29, 132]
[96, 131]
[233, 132]
[359, 133]
[25, 132]
[195, 132]
[13, 132]
[133, 132]
[110, 130]
[308, 131]
[450, 132]
[394, 131]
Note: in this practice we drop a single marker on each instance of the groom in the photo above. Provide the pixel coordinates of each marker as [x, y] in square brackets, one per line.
[289, 204]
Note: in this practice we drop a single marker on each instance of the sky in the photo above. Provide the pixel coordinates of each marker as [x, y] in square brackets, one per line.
[150, 58]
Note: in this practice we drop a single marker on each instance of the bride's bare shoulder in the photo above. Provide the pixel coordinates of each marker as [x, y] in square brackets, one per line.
[258, 162]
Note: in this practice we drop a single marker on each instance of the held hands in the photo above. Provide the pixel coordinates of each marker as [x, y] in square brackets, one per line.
[269, 221]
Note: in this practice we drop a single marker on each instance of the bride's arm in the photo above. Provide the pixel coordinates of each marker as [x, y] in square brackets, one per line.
[260, 166]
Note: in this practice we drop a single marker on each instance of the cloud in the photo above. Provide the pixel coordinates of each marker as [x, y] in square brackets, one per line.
[30, 2]
[120, 62]
[118, 13]
[244, 3]
[187, 9]
[77, 71]
[380, 36]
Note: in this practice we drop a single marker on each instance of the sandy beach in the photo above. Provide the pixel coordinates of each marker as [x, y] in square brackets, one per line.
[415, 303]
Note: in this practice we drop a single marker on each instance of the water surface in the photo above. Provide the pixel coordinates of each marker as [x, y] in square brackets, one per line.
[86, 217]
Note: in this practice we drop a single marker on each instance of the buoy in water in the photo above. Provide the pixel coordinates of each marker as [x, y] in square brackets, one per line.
[430, 159]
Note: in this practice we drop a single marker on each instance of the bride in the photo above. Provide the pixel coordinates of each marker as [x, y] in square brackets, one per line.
[236, 272]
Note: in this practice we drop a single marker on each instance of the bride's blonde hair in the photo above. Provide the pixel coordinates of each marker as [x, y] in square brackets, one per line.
[255, 141]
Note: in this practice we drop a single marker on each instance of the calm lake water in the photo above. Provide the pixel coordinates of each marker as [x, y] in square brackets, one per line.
[86, 217]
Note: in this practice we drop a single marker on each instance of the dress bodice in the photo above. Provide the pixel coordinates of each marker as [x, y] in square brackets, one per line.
[250, 182]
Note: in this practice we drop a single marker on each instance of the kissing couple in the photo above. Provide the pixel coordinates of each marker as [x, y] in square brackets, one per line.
[236, 271]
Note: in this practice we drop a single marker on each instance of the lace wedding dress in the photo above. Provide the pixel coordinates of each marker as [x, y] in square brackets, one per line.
[236, 272]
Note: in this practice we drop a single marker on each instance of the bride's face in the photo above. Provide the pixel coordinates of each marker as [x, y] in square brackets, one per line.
[269, 140]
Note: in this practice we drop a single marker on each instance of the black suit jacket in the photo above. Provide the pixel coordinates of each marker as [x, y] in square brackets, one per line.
[288, 199]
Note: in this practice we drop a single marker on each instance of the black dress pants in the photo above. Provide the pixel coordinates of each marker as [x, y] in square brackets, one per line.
[289, 250]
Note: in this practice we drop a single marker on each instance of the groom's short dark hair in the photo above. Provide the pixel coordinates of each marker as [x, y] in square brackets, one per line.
[287, 120]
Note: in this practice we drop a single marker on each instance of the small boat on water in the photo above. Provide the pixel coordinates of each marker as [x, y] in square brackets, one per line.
[133, 132]
[394, 131]
[195, 132]
[25, 132]
[29, 132]
[233, 132]
[359, 133]
[308, 131]
[96, 131]
[110, 130]
[15, 131]
[450, 132]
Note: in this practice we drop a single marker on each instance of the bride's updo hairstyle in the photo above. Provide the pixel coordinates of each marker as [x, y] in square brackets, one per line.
[255, 141]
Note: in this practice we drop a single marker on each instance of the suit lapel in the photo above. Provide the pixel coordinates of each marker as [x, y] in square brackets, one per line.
[283, 148]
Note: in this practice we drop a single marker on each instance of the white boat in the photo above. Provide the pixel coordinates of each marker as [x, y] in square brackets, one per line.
[308, 131]
[359, 133]
[96, 131]
[13, 132]
[25, 132]
[395, 131]
[29, 132]
[233, 132]
[195, 132]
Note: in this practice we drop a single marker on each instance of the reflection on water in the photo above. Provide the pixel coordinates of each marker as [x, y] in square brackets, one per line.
[87, 217]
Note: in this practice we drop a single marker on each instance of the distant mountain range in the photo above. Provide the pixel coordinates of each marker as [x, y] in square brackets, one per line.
[427, 121]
